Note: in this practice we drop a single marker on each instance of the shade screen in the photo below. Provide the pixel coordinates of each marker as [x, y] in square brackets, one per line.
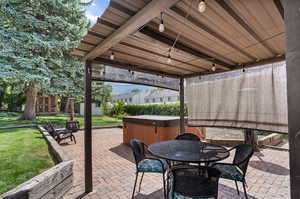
[255, 99]
[113, 74]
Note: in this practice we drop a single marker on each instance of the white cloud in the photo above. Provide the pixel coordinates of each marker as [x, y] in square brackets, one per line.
[91, 17]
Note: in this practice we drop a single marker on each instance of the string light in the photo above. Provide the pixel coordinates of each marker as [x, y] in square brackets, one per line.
[202, 6]
[161, 27]
[112, 55]
[213, 68]
[169, 60]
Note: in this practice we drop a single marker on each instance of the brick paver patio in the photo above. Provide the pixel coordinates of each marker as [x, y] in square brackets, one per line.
[114, 172]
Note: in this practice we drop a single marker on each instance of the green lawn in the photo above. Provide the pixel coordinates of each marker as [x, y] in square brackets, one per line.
[12, 119]
[23, 154]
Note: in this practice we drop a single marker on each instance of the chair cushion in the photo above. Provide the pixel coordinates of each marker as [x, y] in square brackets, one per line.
[152, 165]
[229, 172]
[179, 196]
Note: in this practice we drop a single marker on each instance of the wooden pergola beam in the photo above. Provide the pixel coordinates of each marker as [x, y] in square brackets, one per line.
[292, 28]
[144, 50]
[243, 24]
[178, 12]
[134, 67]
[161, 38]
[150, 11]
[156, 62]
[238, 67]
[88, 168]
[279, 7]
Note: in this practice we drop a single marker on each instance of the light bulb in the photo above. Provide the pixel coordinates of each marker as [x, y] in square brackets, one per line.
[161, 27]
[169, 60]
[202, 6]
[112, 56]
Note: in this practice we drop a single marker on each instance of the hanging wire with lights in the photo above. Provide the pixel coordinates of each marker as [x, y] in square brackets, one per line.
[213, 68]
[112, 55]
[202, 6]
[169, 57]
[161, 27]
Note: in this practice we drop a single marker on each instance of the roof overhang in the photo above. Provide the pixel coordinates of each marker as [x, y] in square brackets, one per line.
[229, 35]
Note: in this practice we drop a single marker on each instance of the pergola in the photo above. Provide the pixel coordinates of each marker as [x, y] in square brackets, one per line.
[229, 35]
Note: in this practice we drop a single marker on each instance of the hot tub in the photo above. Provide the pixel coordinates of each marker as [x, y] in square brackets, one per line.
[155, 128]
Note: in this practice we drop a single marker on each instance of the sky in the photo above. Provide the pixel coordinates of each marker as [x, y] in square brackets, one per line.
[93, 11]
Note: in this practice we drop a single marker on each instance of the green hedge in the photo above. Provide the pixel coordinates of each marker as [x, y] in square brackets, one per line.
[154, 109]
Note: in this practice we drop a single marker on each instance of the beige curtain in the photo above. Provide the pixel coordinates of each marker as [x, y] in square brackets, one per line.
[255, 98]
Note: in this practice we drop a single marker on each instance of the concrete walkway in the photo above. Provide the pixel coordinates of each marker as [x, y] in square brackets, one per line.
[114, 172]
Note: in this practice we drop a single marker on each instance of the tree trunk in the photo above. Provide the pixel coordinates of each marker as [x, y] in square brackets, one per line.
[31, 95]
[72, 113]
[63, 102]
[67, 107]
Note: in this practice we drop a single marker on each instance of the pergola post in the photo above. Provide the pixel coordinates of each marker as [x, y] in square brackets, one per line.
[251, 138]
[181, 93]
[88, 128]
[292, 24]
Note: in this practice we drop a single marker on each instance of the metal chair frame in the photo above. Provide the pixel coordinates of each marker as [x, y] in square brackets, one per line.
[201, 172]
[242, 165]
[188, 136]
[138, 157]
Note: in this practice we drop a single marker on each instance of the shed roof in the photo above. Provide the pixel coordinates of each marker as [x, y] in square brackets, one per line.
[229, 35]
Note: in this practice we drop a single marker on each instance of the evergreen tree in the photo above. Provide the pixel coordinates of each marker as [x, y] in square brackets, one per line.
[36, 38]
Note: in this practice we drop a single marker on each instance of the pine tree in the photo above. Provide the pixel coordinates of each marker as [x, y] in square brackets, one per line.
[36, 38]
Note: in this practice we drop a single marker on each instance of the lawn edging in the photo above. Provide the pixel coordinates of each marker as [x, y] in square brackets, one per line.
[52, 183]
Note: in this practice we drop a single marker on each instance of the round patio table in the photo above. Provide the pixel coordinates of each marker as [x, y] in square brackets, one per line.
[188, 151]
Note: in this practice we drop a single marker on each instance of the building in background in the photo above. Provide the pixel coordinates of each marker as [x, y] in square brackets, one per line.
[97, 109]
[162, 96]
[133, 97]
[46, 104]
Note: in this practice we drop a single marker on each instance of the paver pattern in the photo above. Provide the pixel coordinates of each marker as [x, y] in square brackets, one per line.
[114, 172]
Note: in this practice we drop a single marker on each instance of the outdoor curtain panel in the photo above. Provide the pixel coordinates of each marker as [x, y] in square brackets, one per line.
[113, 74]
[255, 98]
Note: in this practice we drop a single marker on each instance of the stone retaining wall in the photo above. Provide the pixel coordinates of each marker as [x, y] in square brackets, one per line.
[52, 183]
[271, 140]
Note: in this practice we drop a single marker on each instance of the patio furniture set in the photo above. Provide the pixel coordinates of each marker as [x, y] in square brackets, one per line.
[60, 134]
[190, 168]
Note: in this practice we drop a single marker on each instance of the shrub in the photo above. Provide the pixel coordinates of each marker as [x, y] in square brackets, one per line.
[106, 109]
[118, 110]
[154, 109]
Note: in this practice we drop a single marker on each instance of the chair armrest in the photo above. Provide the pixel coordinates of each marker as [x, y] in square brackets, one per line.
[231, 149]
[59, 132]
[161, 162]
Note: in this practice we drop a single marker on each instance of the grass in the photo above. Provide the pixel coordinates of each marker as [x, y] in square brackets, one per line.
[24, 152]
[12, 119]
[23, 155]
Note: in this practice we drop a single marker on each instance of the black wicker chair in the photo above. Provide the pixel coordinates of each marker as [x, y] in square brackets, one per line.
[237, 170]
[60, 134]
[194, 182]
[146, 164]
[187, 136]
